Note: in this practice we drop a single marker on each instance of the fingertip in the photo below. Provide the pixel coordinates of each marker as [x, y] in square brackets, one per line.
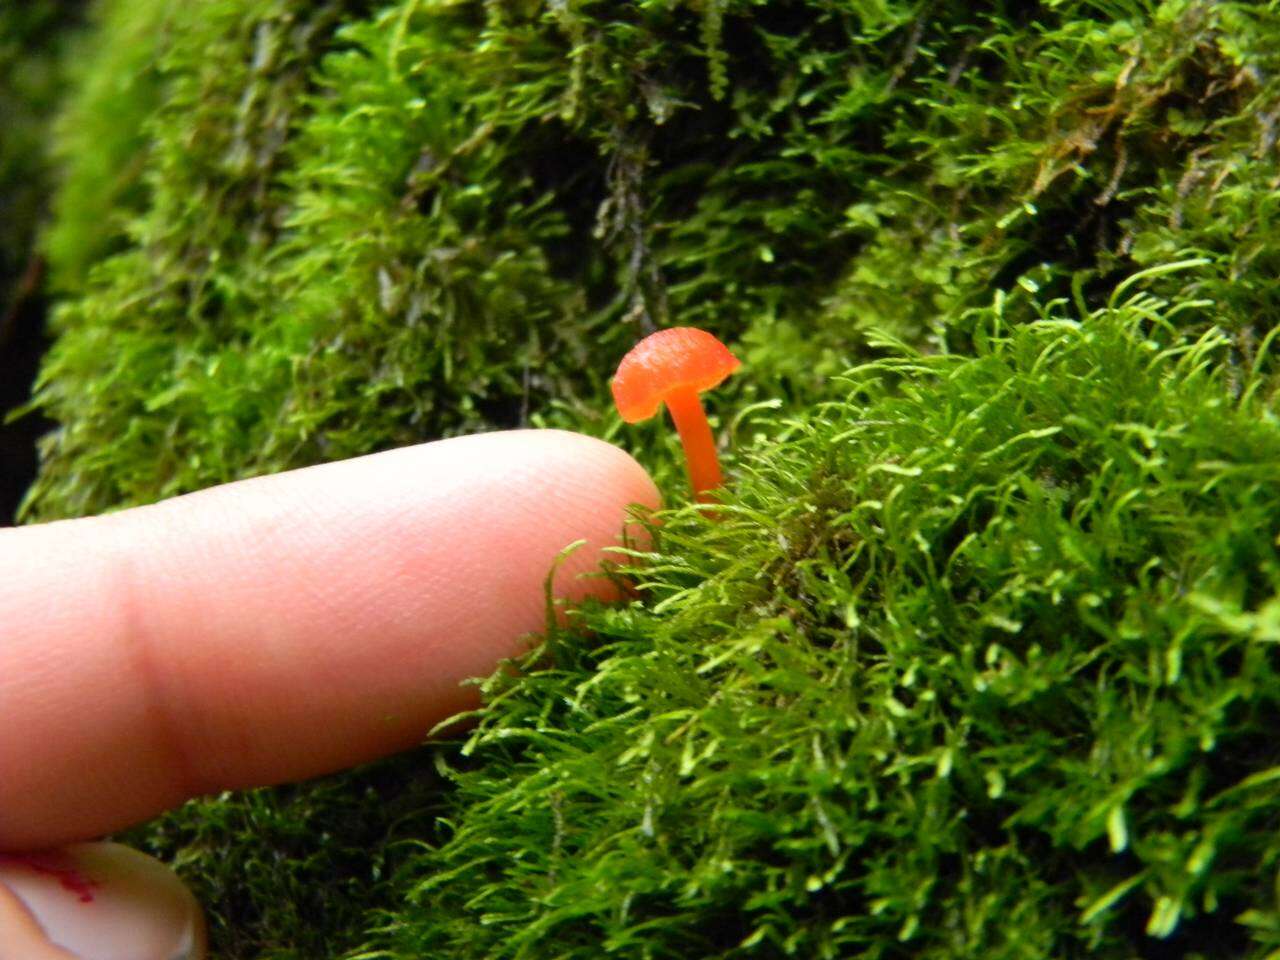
[603, 491]
[560, 489]
[606, 468]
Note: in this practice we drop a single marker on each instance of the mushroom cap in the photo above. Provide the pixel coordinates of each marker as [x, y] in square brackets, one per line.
[669, 360]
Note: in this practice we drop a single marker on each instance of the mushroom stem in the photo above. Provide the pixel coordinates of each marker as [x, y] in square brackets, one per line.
[699, 446]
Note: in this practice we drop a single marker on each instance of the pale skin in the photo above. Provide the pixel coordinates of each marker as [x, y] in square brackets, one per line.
[278, 628]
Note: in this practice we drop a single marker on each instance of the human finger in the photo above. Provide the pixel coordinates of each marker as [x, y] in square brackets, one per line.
[21, 936]
[96, 900]
[281, 627]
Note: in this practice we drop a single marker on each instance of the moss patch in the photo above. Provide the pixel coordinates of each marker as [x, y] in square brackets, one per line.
[980, 662]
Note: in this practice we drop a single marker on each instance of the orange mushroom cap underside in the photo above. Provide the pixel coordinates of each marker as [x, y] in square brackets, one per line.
[669, 360]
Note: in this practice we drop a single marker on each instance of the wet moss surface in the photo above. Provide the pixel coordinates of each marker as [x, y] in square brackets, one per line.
[980, 659]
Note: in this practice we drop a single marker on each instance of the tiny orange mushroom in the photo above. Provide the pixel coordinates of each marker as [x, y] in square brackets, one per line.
[673, 366]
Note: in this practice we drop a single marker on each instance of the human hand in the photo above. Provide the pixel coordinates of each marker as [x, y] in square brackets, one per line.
[274, 629]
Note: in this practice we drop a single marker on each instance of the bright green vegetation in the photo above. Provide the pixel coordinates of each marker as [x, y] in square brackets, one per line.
[981, 661]
[952, 678]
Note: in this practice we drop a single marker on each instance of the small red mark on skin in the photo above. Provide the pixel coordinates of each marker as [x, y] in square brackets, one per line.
[71, 880]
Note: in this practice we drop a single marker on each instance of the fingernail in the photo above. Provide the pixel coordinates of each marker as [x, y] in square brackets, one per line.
[105, 901]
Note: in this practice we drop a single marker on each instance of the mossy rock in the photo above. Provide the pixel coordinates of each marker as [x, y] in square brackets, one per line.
[981, 659]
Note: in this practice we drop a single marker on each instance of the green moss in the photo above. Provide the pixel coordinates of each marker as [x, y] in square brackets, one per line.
[100, 141]
[979, 663]
[293, 873]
